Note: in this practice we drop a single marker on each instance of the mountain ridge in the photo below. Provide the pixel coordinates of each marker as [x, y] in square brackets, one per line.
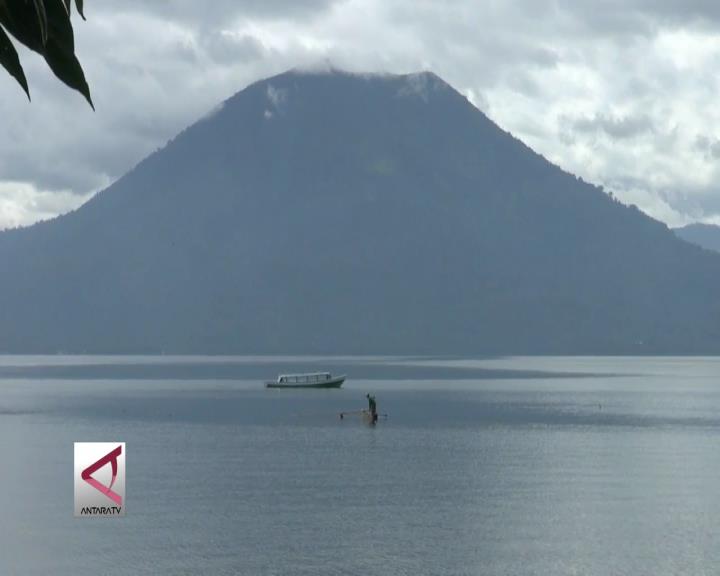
[704, 235]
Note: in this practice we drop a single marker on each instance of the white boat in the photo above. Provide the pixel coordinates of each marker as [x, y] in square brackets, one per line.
[309, 380]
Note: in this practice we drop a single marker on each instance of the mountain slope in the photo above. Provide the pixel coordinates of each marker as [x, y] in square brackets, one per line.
[704, 235]
[342, 213]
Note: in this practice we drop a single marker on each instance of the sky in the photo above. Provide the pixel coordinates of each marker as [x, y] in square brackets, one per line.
[620, 92]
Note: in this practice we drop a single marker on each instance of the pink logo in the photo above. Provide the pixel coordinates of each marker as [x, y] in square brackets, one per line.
[90, 470]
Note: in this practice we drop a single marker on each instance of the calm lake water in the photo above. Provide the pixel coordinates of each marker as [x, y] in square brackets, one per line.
[547, 466]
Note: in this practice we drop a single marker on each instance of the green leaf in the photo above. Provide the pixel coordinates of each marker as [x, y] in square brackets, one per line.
[10, 61]
[20, 19]
[79, 4]
[44, 26]
[60, 50]
[59, 26]
[67, 68]
[42, 18]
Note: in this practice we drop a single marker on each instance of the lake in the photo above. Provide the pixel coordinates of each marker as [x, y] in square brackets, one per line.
[527, 466]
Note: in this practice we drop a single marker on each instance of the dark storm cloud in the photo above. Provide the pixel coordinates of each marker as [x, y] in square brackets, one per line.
[709, 146]
[219, 12]
[614, 127]
[640, 17]
[230, 48]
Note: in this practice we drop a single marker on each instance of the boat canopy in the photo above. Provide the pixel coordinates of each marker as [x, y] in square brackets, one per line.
[310, 377]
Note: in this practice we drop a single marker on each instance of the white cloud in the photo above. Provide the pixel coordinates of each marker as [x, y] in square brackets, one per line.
[22, 204]
[276, 96]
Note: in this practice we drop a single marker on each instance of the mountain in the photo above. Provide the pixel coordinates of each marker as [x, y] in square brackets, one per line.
[340, 213]
[705, 235]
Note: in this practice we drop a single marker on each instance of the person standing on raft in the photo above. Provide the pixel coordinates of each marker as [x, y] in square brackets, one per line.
[372, 407]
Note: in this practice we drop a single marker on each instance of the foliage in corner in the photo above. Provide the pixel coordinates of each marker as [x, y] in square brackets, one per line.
[43, 26]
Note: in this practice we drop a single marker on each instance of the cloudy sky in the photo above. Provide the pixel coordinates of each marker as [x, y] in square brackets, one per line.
[621, 92]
